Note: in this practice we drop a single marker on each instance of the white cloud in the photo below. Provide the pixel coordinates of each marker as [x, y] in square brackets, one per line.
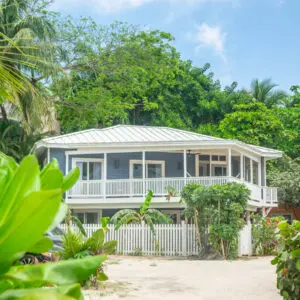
[113, 6]
[211, 37]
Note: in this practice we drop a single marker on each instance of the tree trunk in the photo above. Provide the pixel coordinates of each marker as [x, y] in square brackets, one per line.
[197, 229]
[3, 112]
[219, 221]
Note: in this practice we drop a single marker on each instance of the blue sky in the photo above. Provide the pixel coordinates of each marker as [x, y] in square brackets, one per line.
[241, 39]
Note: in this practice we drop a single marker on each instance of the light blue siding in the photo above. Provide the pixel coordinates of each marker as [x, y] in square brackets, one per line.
[118, 163]
[59, 154]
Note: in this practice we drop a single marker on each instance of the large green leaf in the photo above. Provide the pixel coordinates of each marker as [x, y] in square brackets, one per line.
[72, 291]
[60, 216]
[7, 169]
[43, 245]
[50, 166]
[53, 179]
[25, 180]
[26, 227]
[95, 242]
[60, 273]
[110, 246]
[70, 179]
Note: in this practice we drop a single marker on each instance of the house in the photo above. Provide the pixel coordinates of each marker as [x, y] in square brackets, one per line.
[119, 164]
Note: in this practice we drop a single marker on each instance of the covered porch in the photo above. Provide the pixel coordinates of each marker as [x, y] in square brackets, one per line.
[125, 176]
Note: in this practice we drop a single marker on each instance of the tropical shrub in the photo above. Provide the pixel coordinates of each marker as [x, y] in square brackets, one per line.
[75, 246]
[288, 260]
[30, 205]
[217, 212]
[145, 214]
[264, 234]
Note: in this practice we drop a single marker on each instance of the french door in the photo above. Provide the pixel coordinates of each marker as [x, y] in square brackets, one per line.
[153, 169]
[91, 173]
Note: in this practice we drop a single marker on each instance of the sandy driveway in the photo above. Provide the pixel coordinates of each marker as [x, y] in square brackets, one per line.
[165, 279]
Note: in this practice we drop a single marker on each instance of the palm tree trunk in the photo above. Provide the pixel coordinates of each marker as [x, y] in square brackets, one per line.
[3, 112]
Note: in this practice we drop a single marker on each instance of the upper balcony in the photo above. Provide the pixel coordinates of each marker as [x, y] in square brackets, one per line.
[134, 190]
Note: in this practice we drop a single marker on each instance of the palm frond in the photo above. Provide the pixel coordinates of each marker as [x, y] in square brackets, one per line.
[119, 215]
[158, 217]
[146, 203]
[132, 217]
[79, 225]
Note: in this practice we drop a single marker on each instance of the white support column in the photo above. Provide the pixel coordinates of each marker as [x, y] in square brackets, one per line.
[66, 172]
[144, 172]
[184, 166]
[210, 168]
[264, 183]
[242, 166]
[259, 175]
[229, 172]
[104, 174]
[251, 170]
[197, 165]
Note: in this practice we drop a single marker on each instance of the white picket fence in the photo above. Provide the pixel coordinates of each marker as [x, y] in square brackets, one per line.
[169, 239]
[137, 239]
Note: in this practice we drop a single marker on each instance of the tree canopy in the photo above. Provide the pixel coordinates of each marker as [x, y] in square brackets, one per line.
[89, 75]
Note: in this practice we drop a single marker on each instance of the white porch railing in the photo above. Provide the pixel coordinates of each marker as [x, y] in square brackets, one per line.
[115, 188]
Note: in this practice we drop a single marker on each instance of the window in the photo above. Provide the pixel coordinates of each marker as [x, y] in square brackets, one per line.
[87, 217]
[220, 171]
[255, 172]
[204, 169]
[247, 169]
[154, 169]
[218, 158]
[236, 166]
[204, 157]
[89, 169]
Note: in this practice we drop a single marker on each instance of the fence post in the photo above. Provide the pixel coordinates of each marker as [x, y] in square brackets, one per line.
[183, 228]
[143, 237]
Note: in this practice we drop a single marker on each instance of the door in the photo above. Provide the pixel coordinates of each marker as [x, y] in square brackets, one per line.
[90, 177]
[153, 169]
[219, 171]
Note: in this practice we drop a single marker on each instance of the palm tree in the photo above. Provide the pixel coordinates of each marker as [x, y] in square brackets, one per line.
[26, 35]
[263, 91]
[145, 214]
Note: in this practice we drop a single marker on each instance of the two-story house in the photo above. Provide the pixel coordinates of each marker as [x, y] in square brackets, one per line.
[119, 164]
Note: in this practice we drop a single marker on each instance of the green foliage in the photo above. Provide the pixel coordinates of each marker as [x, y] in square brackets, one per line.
[263, 91]
[171, 192]
[76, 246]
[27, 47]
[216, 211]
[252, 123]
[286, 176]
[145, 214]
[264, 234]
[29, 197]
[288, 260]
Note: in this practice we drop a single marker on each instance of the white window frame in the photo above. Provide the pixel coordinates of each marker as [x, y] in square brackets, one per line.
[212, 163]
[147, 162]
[79, 159]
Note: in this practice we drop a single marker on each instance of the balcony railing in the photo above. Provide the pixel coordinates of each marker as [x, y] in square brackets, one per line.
[122, 188]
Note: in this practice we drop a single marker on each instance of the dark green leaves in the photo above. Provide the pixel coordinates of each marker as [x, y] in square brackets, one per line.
[288, 260]
[60, 273]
